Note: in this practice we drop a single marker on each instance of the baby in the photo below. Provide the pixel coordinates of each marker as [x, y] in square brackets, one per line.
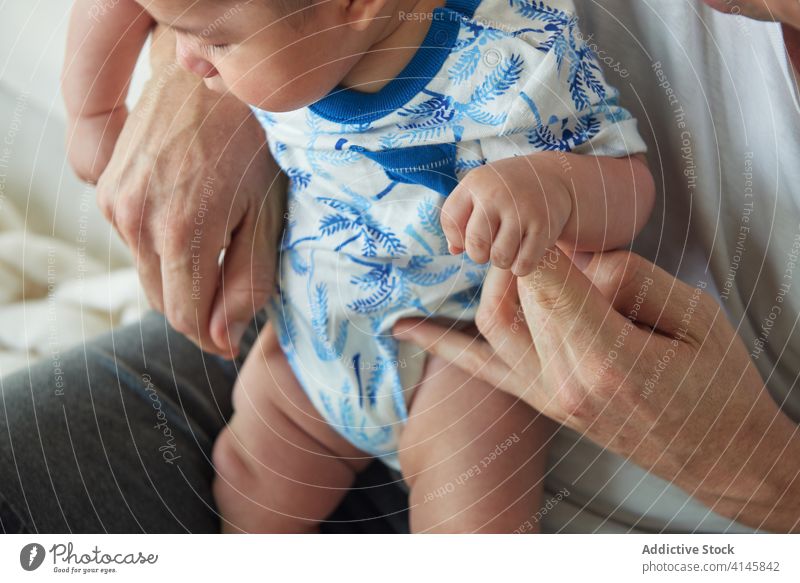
[423, 140]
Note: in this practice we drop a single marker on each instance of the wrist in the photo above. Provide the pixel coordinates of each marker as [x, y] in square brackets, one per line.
[771, 489]
[761, 487]
[554, 175]
[91, 141]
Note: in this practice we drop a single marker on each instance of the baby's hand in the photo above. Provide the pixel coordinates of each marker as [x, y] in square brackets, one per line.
[91, 141]
[508, 212]
[103, 45]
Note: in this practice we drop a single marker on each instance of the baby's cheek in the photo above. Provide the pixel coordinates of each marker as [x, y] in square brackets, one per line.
[241, 82]
[284, 77]
[272, 88]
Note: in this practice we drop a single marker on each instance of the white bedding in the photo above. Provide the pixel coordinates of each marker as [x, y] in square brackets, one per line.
[64, 275]
[53, 294]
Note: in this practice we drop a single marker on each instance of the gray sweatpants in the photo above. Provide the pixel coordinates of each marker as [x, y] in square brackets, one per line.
[116, 436]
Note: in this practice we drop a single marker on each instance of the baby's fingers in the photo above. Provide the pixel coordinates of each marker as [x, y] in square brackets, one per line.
[531, 250]
[456, 211]
[481, 231]
[505, 248]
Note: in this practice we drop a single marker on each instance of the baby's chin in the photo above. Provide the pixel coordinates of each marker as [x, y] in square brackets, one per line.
[281, 105]
[291, 96]
[283, 101]
[215, 84]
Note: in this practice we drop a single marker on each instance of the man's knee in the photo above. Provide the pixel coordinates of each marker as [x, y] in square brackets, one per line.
[121, 428]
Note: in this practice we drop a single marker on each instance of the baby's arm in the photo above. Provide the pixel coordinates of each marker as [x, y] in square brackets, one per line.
[103, 44]
[510, 211]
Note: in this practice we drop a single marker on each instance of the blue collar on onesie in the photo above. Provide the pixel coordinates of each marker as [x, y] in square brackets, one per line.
[344, 105]
[432, 166]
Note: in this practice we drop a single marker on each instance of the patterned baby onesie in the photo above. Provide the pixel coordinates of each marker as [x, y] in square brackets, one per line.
[369, 173]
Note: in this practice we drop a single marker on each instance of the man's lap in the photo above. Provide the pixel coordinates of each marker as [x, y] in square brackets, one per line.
[116, 437]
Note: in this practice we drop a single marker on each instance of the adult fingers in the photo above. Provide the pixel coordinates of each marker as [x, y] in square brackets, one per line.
[190, 271]
[501, 321]
[148, 265]
[127, 215]
[474, 356]
[499, 301]
[564, 308]
[248, 275]
[649, 295]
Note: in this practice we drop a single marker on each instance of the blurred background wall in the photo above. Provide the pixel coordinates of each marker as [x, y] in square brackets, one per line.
[64, 274]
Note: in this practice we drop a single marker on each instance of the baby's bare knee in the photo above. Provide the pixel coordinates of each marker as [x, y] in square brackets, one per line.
[231, 475]
[230, 466]
[415, 452]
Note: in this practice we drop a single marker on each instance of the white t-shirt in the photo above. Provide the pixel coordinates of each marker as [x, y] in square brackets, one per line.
[718, 106]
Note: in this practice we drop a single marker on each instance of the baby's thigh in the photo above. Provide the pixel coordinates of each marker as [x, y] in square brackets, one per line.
[280, 467]
[271, 408]
[473, 456]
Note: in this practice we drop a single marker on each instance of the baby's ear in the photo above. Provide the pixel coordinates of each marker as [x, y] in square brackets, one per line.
[361, 13]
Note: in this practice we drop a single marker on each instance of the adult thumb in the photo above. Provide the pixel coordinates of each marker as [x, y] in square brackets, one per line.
[562, 305]
[248, 276]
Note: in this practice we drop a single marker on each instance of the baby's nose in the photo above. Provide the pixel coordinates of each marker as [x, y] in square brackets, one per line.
[193, 63]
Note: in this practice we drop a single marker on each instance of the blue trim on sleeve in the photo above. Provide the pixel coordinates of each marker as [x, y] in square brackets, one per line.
[343, 105]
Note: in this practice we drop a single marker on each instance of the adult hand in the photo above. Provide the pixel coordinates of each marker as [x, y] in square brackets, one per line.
[190, 176]
[642, 364]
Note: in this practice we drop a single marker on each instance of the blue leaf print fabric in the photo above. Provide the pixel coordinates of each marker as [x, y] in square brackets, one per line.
[368, 174]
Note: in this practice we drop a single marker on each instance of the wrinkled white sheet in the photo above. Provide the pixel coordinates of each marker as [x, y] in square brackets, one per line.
[53, 294]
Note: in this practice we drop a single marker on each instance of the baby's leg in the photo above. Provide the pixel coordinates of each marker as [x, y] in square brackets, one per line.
[280, 467]
[473, 456]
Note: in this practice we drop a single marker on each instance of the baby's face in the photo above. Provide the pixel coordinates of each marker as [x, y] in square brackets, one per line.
[265, 57]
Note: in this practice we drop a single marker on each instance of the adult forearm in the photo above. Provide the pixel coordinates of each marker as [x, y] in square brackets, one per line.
[763, 489]
[728, 444]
